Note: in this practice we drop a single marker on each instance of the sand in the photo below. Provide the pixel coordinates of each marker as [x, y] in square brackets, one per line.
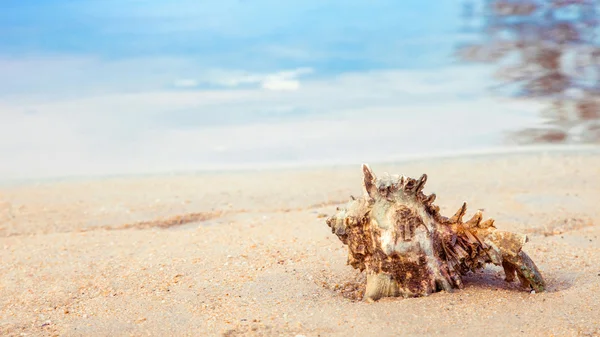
[249, 253]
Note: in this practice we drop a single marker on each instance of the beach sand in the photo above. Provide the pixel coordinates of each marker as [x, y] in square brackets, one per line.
[249, 253]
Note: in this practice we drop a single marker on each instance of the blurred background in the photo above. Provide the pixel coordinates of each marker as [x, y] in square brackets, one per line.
[546, 51]
[101, 87]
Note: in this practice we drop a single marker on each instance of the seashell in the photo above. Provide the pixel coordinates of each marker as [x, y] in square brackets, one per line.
[396, 235]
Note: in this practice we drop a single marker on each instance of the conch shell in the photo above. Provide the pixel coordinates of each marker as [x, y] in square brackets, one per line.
[396, 234]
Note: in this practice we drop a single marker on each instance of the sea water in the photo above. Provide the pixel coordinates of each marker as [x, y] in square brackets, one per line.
[102, 87]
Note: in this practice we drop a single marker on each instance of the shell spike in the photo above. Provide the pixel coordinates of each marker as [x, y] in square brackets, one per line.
[475, 220]
[430, 199]
[457, 217]
[487, 224]
[421, 183]
[368, 180]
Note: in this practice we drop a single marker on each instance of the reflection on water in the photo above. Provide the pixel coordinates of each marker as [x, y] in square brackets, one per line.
[545, 50]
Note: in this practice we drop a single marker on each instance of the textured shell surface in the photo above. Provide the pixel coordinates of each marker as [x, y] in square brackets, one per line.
[397, 236]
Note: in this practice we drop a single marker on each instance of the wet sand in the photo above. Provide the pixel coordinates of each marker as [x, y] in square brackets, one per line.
[249, 253]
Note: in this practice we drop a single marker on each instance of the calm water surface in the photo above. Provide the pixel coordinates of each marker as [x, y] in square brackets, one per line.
[124, 86]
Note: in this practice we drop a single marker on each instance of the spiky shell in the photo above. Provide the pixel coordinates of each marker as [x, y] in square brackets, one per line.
[397, 234]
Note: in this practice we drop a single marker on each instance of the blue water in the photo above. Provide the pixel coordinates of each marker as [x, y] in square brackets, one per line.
[122, 86]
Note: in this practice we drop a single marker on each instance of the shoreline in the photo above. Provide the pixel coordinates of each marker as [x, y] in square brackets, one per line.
[504, 151]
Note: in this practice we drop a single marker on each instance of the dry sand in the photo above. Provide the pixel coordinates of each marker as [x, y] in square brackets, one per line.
[250, 253]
